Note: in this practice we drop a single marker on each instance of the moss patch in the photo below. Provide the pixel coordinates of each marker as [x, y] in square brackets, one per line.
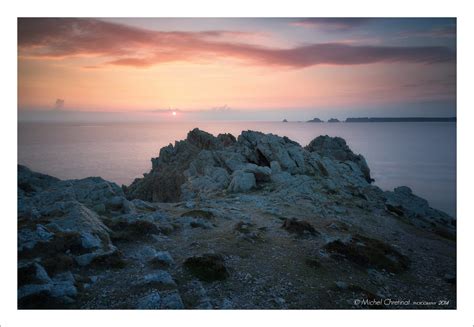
[369, 253]
[198, 214]
[208, 267]
[299, 227]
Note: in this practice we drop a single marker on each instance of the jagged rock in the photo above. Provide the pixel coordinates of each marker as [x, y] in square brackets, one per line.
[164, 181]
[203, 164]
[336, 148]
[226, 139]
[262, 174]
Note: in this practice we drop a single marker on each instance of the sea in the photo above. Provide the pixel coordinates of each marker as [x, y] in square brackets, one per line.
[419, 155]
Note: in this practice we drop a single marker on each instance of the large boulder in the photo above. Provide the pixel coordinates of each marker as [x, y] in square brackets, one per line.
[336, 148]
[242, 182]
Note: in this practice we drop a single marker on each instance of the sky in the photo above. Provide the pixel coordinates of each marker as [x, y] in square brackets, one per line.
[235, 68]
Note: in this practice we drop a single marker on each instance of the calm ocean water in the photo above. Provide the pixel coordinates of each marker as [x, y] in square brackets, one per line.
[419, 155]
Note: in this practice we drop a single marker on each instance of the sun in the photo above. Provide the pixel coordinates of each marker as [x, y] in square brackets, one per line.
[174, 113]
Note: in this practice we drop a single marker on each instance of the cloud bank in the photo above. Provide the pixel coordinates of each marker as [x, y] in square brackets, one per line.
[124, 45]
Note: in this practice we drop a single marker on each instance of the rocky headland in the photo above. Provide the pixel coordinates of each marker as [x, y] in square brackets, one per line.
[221, 222]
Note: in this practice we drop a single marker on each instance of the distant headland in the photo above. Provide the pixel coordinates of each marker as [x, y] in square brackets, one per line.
[383, 120]
[399, 119]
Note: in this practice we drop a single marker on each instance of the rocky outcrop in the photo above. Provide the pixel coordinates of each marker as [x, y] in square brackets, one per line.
[403, 203]
[203, 164]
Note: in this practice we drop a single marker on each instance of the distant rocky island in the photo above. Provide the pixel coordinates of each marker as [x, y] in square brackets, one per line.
[399, 119]
[315, 120]
[256, 221]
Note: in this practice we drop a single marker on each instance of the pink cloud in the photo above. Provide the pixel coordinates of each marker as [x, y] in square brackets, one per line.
[130, 46]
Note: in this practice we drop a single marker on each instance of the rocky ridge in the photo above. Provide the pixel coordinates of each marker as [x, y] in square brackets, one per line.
[256, 221]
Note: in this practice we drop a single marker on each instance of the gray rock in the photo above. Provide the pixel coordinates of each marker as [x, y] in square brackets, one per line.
[159, 278]
[90, 241]
[196, 296]
[27, 238]
[143, 205]
[164, 257]
[31, 182]
[41, 274]
[86, 259]
[402, 202]
[144, 253]
[336, 148]
[227, 304]
[149, 302]
[172, 301]
[242, 182]
[115, 203]
[61, 288]
[34, 289]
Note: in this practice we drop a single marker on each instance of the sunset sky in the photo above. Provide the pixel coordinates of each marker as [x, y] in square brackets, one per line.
[229, 68]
